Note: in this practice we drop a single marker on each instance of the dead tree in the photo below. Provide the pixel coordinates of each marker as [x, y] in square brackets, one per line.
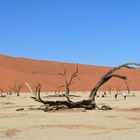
[68, 81]
[1, 93]
[89, 103]
[29, 87]
[127, 86]
[37, 86]
[10, 92]
[118, 90]
[17, 88]
[110, 74]
[109, 89]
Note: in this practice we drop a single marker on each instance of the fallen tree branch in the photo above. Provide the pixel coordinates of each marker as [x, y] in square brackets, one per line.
[90, 103]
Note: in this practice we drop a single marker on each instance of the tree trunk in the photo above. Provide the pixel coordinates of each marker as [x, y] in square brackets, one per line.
[90, 103]
[17, 93]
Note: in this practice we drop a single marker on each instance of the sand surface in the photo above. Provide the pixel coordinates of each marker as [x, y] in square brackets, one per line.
[20, 70]
[121, 123]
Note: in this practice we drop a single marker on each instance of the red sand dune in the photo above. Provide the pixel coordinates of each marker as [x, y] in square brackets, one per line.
[21, 70]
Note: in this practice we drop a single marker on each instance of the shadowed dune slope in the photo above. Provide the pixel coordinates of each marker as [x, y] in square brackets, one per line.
[20, 70]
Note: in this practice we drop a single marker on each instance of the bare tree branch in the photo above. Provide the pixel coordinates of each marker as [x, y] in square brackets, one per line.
[109, 89]
[69, 82]
[1, 92]
[29, 87]
[17, 88]
[109, 75]
[127, 86]
[89, 103]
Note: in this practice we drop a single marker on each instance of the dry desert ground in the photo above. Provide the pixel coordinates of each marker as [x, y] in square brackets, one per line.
[121, 123]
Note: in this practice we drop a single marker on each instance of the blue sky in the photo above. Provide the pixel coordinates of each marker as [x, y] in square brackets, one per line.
[98, 32]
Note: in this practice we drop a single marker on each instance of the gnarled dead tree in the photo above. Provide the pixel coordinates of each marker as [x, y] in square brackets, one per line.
[127, 86]
[1, 93]
[68, 81]
[37, 89]
[109, 89]
[29, 87]
[89, 103]
[17, 88]
[37, 86]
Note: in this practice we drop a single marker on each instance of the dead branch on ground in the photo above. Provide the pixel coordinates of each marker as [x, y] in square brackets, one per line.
[89, 103]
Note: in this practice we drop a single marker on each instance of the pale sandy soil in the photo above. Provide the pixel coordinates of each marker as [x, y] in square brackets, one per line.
[121, 123]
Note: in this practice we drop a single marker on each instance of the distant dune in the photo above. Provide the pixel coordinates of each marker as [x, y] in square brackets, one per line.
[21, 70]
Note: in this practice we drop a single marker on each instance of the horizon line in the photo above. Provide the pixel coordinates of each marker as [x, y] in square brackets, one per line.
[37, 59]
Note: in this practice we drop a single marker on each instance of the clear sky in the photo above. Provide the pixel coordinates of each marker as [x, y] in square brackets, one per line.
[98, 32]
